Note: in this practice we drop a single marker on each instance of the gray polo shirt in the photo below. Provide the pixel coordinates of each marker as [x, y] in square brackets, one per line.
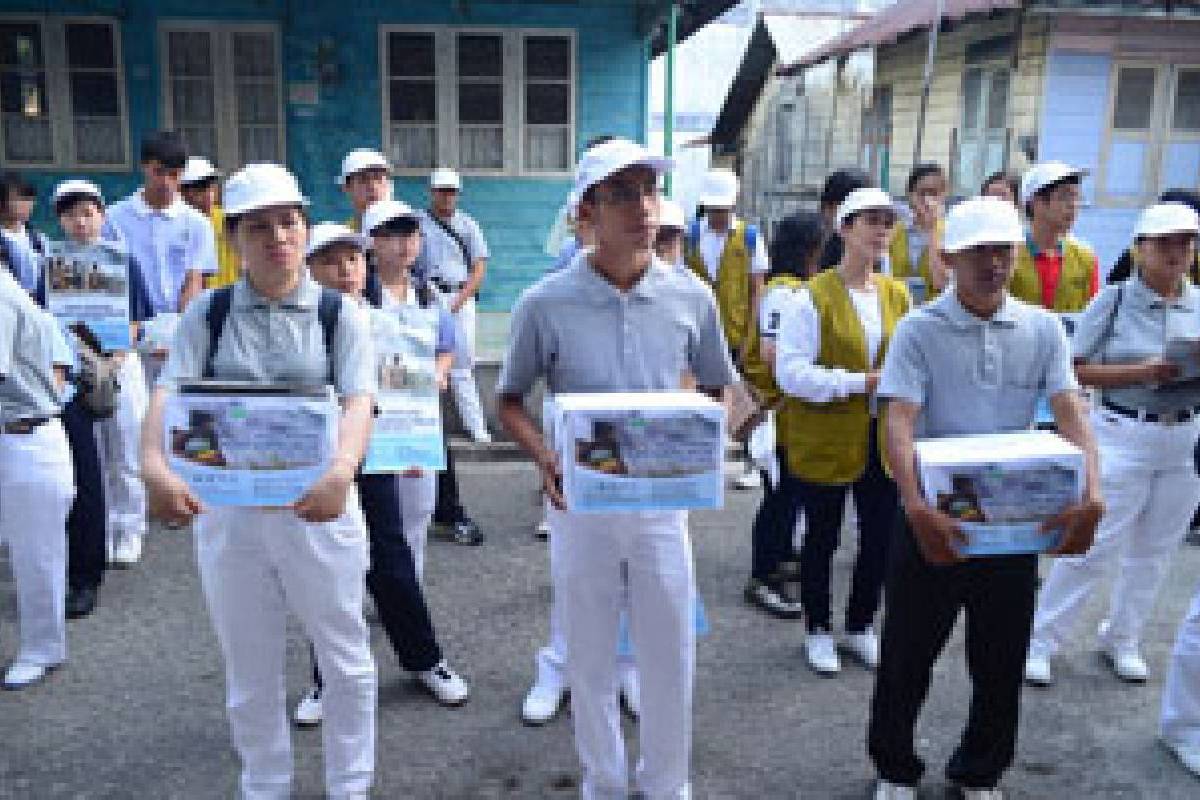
[441, 257]
[1140, 328]
[579, 333]
[27, 355]
[275, 341]
[971, 375]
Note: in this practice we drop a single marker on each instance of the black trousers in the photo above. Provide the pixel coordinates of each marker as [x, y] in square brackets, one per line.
[448, 508]
[774, 527]
[392, 578]
[923, 602]
[824, 505]
[86, 551]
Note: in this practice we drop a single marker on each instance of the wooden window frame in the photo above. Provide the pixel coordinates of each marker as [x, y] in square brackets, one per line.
[53, 31]
[1152, 136]
[446, 137]
[224, 95]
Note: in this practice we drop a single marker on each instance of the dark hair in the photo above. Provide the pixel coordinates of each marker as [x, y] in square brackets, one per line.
[598, 140]
[797, 238]
[12, 182]
[203, 183]
[841, 183]
[401, 226]
[166, 147]
[68, 201]
[1005, 177]
[1186, 196]
[922, 171]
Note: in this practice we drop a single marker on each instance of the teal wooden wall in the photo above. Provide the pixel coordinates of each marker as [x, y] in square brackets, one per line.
[515, 213]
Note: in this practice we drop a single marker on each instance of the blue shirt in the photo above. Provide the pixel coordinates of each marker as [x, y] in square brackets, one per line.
[22, 256]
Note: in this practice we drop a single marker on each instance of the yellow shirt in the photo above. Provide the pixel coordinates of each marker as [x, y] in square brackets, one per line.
[228, 267]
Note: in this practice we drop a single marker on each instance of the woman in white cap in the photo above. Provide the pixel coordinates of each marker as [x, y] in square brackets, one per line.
[257, 564]
[831, 343]
[1130, 343]
[396, 524]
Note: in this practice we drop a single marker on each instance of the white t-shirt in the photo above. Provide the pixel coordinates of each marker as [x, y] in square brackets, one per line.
[775, 302]
[712, 244]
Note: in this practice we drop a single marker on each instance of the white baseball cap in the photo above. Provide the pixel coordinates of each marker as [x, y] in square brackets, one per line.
[979, 221]
[197, 169]
[719, 190]
[670, 215]
[1039, 176]
[612, 156]
[324, 234]
[362, 159]
[445, 179]
[1165, 218]
[864, 200]
[383, 211]
[76, 186]
[256, 186]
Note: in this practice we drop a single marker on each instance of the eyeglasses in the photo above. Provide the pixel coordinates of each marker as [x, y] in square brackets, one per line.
[623, 194]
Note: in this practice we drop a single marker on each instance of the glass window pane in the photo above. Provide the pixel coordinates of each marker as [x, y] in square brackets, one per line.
[257, 103]
[548, 149]
[547, 103]
[548, 57]
[258, 143]
[95, 94]
[189, 53]
[24, 94]
[972, 92]
[27, 140]
[1135, 98]
[998, 100]
[480, 56]
[20, 44]
[481, 148]
[99, 141]
[90, 46]
[254, 55]
[413, 101]
[201, 140]
[192, 102]
[411, 54]
[1187, 101]
[413, 147]
[480, 103]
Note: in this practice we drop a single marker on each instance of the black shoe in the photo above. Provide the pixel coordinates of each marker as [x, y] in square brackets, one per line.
[81, 601]
[465, 531]
[773, 599]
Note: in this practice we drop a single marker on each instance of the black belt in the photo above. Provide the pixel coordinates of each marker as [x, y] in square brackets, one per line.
[25, 426]
[1166, 417]
[448, 286]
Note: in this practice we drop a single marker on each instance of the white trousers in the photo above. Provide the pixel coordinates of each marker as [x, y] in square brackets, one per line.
[1150, 488]
[418, 496]
[462, 373]
[119, 440]
[552, 659]
[37, 486]
[1181, 694]
[256, 565]
[654, 551]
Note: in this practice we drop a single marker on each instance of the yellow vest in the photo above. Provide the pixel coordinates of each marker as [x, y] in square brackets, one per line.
[758, 372]
[902, 266]
[228, 266]
[732, 288]
[352, 224]
[827, 442]
[1074, 290]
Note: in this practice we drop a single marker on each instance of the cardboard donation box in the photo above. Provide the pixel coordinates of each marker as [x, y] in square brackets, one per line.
[639, 451]
[1002, 487]
[243, 444]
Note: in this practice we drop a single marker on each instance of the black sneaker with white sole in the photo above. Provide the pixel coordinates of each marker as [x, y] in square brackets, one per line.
[772, 599]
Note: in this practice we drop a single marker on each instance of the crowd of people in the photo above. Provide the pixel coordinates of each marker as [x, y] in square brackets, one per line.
[855, 330]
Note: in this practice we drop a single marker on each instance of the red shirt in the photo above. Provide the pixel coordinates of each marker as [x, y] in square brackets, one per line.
[1049, 268]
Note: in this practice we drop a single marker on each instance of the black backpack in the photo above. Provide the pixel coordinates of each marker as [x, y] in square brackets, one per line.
[329, 308]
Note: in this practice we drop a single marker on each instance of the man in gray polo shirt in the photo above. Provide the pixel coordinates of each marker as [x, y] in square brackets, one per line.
[646, 324]
[454, 257]
[974, 361]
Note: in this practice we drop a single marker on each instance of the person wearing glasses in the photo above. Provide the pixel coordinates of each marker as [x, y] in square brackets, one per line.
[1054, 269]
[647, 323]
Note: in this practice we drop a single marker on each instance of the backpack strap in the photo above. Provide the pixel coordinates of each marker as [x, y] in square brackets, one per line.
[751, 239]
[218, 311]
[693, 235]
[329, 308]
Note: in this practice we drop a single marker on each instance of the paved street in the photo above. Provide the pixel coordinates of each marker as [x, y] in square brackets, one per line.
[138, 711]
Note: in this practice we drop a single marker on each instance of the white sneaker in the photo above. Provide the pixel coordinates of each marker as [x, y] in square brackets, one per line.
[481, 436]
[446, 685]
[821, 653]
[748, 480]
[1188, 755]
[23, 674]
[885, 790]
[542, 531]
[980, 794]
[864, 647]
[127, 550]
[631, 693]
[1127, 663]
[542, 703]
[309, 711]
[1037, 668]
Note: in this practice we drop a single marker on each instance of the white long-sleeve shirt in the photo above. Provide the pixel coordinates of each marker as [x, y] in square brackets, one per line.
[798, 344]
